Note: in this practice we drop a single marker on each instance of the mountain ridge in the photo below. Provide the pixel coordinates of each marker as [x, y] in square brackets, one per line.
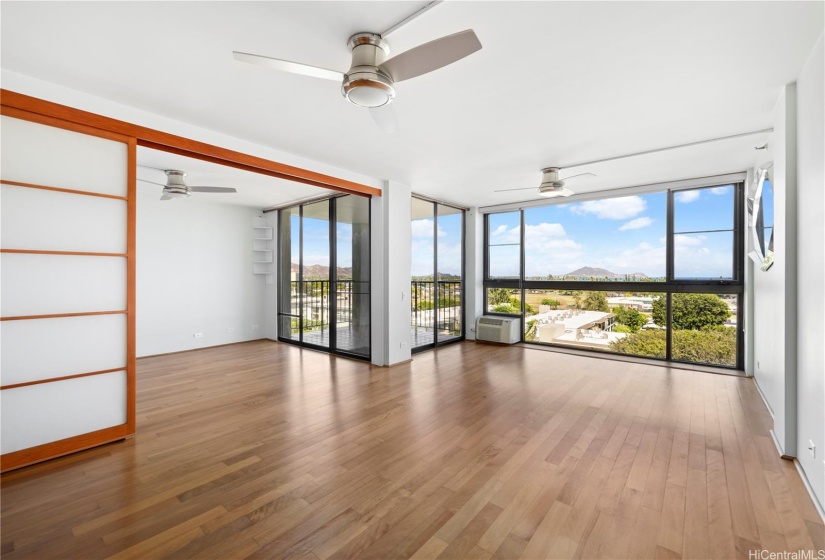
[594, 272]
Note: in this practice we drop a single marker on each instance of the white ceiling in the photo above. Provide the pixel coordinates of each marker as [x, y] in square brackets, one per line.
[556, 83]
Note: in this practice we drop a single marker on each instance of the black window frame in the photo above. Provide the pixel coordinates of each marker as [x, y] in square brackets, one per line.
[333, 280]
[671, 285]
[437, 343]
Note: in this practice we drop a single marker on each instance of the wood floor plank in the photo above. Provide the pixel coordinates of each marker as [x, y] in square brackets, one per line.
[265, 450]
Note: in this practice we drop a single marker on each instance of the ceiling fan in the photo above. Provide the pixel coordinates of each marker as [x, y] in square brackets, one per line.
[176, 186]
[371, 78]
[551, 186]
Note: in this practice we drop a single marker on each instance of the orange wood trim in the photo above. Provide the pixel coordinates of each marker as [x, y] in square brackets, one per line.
[131, 290]
[64, 378]
[59, 189]
[44, 117]
[60, 315]
[177, 144]
[25, 457]
[75, 253]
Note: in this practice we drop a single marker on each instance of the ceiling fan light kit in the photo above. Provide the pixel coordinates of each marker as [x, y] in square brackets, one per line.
[365, 84]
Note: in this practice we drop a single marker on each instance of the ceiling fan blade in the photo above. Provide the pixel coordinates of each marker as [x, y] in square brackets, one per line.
[166, 197]
[152, 182]
[557, 193]
[431, 56]
[578, 175]
[213, 189]
[385, 118]
[524, 189]
[287, 66]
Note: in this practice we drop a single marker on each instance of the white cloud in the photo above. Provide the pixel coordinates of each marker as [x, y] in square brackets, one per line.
[645, 257]
[720, 190]
[423, 229]
[638, 223]
[612, 208]
[687, 241]
[686, 197]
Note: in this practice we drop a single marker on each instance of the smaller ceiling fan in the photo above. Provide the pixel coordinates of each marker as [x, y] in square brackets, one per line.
[176, 186]
[551, 186]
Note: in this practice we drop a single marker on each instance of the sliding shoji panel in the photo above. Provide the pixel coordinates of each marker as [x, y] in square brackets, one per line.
[67, 362]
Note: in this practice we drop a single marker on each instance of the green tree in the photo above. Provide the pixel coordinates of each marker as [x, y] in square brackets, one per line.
[692, 311]
[496, 296]
[712, 345]
[532, 330]
[643, 343]
[620, 328]
[630, 318]
[594, 301]
[577, 297]
[554, 303]
[506, 308]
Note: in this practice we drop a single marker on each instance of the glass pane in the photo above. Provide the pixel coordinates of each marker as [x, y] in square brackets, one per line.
[610, 240]
[703, 256]
[352, 232]
[504, 228]
[316, 274]
[705, 209]
[504, 261]
[620, 322]
[422, 290]
[448, 243]
[504, 300]
[289, 296]
[704, 328]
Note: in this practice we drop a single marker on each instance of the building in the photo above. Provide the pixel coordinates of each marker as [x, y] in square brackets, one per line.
[164, 325]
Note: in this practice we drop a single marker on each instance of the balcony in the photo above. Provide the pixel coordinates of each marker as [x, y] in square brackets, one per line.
[315, 306]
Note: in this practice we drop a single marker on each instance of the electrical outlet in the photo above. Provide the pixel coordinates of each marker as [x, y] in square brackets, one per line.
[230, 330]
[403, 345]
[198, 335]
[812, 448]
[254, 327]
[403, 296]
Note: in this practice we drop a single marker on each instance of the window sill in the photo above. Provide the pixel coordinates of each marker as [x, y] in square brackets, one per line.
[634, 359]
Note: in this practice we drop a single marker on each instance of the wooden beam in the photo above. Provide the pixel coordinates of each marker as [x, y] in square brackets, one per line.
[180, 145]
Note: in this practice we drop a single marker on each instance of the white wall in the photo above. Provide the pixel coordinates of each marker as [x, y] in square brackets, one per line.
[390, 274]
[194, 275]
[811, 271]
[474, 281]
[775, 289]
[789, 299]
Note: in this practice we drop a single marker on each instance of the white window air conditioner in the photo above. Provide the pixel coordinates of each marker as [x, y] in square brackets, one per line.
[506, 330]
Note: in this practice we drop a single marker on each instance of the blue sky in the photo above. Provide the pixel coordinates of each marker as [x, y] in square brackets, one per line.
[623, 235]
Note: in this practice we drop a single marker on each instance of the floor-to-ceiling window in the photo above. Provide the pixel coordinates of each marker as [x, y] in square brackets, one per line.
[657, 275]
[437, 290]
[324, 275]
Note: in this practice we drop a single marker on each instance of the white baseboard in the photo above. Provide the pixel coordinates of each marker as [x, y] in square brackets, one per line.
[761, 394]
[810, 489]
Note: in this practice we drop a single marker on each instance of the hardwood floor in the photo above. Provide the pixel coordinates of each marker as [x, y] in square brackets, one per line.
[264, 450]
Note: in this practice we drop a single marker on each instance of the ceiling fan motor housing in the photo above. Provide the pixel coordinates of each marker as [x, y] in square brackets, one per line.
[175, 184]
[364, 84]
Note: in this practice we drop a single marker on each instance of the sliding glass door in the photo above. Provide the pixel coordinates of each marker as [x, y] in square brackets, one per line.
[437, 290]
[324, 274]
